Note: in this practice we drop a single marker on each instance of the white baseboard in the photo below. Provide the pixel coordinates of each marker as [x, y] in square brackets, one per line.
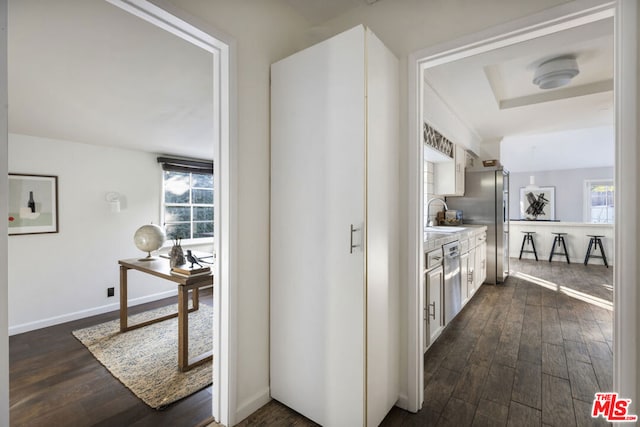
[56, 320]
[252, 404]
[403, 401]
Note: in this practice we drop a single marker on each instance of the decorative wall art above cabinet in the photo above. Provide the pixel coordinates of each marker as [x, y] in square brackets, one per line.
[437, 141]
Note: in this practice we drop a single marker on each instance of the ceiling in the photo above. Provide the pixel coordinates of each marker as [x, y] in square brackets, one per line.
[493, 93]
[316, 12]
[86, 71]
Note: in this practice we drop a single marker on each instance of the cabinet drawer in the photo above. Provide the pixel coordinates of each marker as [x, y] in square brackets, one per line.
[464, 246]
[481, 238]
[433, 259]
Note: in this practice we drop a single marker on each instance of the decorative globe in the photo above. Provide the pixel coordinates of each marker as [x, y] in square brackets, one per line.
[149, 238]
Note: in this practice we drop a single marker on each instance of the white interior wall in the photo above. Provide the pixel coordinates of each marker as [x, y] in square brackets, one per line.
[64, 276]
[569, 185]
[439, 116]
[264, 33]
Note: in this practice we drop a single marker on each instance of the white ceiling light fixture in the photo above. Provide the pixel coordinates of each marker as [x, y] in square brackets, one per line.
[556, 72]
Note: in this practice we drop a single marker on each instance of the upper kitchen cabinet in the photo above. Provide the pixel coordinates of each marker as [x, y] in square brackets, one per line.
[449, 161]
[334, 266]
[448, 177]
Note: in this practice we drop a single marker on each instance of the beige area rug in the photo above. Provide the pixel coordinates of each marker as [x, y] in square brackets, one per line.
[145, 360]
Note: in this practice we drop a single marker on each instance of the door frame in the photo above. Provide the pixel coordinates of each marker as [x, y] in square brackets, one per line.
[223, 50]
[4, 240]
[569, 15]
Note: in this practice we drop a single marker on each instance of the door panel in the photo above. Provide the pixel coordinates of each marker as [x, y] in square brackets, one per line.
[317, 194]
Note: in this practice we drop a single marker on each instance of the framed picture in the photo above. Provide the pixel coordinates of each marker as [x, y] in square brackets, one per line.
[33, 204]
[538, 204]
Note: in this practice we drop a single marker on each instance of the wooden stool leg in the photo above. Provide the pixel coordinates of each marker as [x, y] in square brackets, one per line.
[604, 257]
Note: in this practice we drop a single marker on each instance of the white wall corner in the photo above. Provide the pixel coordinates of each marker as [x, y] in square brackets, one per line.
[252, 404]
[403, 401]
[490, 149]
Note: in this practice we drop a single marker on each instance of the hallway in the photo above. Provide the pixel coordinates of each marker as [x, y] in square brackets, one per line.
[530, 352]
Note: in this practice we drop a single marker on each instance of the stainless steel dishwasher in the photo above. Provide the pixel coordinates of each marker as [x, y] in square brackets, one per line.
[452, 285]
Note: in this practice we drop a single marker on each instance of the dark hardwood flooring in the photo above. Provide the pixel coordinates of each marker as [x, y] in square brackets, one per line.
[530, 352]
[56, 381]
[526, 353]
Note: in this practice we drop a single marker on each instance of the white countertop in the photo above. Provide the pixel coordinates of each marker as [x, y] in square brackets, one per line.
[558, 224]
[434, 239]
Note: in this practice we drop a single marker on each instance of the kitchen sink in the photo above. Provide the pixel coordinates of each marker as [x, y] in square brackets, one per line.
[444, 229]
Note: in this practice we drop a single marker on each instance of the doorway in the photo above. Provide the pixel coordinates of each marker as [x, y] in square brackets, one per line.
[221, 48]
[541, 24]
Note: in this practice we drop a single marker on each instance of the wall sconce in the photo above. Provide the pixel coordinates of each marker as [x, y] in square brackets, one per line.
[113, 199]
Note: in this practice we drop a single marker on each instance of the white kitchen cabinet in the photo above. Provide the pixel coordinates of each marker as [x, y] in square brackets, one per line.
[335, 231]
[471, 273]
[449, 175]
[481, 261]
[434, 319]
[467, 275]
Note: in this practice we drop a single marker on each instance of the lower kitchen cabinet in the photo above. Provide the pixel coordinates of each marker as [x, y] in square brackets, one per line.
[434, 320]
[467, 275]
[481, 264]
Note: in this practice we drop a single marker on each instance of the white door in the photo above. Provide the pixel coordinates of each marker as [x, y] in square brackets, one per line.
[317, 230]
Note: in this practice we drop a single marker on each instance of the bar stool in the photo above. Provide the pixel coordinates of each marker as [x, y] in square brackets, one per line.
[559, 240]
[528, 238]
[594, 243]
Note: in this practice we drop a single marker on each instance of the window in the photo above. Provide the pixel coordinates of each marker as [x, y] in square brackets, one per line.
[187, 199]
[599, 201]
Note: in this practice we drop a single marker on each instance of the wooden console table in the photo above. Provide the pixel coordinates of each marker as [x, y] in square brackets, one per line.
[160, 268]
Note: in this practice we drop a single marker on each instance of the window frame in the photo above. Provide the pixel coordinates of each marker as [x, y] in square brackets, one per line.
[181, 166]
[587, 206]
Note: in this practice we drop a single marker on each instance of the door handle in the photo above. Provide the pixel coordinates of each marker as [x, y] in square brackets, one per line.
[432, 315]
[352, 246]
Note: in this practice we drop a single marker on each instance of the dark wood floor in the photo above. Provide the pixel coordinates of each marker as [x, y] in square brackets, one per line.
[519, 354]
[525, 353]
[55, 381]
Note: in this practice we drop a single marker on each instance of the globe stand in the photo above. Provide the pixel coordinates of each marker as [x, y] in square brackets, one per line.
[149, 238]
[149, 257]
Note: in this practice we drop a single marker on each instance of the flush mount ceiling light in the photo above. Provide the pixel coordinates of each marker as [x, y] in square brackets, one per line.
[556, 72]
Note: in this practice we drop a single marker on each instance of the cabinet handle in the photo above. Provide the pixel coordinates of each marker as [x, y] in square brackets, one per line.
[352, 246]
[432, 315]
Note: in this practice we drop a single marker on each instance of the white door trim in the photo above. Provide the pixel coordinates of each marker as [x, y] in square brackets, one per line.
[222, 48]
[625, 294]
[556, 19]
[4, 241]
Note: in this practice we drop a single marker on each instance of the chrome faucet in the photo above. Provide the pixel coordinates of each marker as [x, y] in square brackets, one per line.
[446, 208]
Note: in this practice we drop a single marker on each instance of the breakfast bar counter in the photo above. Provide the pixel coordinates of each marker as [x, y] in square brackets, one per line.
[577, 239]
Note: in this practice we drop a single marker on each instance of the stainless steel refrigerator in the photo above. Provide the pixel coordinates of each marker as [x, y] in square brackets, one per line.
[486, 202]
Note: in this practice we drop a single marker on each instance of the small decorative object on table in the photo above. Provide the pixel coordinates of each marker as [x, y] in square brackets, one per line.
[149, 238]
[192, 258]
[176, 254]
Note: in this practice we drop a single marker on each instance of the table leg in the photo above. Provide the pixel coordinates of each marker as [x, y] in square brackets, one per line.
[183, 328]
[195, 297]
[123, 298]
